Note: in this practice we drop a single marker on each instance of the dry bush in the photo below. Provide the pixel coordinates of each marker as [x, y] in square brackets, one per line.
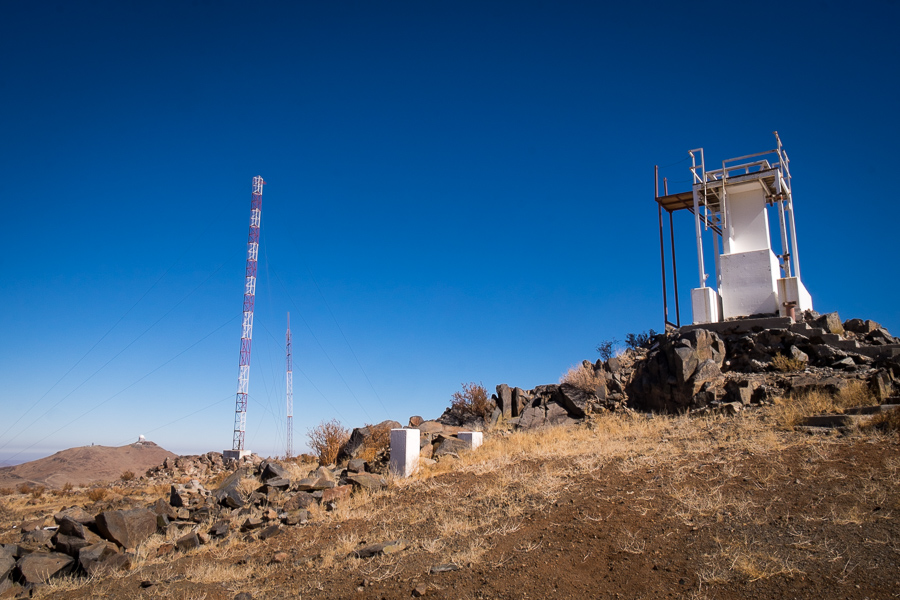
[7, 491]
[887, 421]
[472, 400]
[786, 364]
[326, 440]
[127, 475]
[24, 488]
[583, 377]
[379, 439]
[97, 494]
[37, 491]
[815, 402]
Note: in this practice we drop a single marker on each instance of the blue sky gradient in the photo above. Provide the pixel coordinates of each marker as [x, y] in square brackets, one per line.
[456, 191]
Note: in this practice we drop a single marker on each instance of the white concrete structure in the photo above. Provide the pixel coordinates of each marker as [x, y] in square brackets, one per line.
[235, 454]
[473, 438]
[404, 452]
[733, 204]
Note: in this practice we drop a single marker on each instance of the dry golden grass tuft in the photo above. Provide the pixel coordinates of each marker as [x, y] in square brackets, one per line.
[583, 377]
[792, 409]
[887, 421]
[97, 494]
[379, 439]
[786, 364]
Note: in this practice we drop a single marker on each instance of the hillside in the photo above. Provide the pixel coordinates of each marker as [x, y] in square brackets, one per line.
[85, 465]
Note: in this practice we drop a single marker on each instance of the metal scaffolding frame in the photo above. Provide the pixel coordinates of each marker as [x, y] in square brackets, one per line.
[707, 201]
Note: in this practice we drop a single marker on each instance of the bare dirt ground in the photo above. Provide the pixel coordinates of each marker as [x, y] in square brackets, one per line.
[85, 465]
[625, 506]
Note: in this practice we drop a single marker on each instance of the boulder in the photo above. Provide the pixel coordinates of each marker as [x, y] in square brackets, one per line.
[77, 514]
[831, 323]
[40, 567]
[188, 542]
[127, 528]
[7, 562]
[271, 470]
[505, 400]
[357, 465]
[577, 402]
[300, 500]
[228, 493]
[341, 492]
[415, 421]
[367, 481]
[449, 445]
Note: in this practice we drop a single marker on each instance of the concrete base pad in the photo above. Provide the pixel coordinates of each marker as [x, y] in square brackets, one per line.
[235, 454]
[743, 325]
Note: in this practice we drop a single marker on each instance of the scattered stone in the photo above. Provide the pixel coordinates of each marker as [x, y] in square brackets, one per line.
[371, 550]
[367, 481]
[165, 549]
[188, 542]
[269, 532]
[251, 523]
[444, 568]
[341, 492]
[420, 590]
[228, 493]
[448, 445]
[357, 465]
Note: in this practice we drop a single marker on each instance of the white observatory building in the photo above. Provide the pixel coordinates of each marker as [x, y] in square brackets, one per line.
[731, 206]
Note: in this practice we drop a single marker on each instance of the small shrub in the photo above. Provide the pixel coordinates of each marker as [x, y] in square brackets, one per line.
[97, 494]
[887, 421]
[379, 439]
[583, 377]
[640, 340]
[127, 475]
[785, 364]
[326, 440]
[37, 491]
[607, 348]
[24, 488]
[7, 491]
[472, 400]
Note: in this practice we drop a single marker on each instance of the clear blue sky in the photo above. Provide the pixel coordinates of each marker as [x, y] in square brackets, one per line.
[457, 191]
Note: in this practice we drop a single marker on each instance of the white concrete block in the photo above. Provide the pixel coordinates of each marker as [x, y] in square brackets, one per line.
[749, 283]
[791, 289]
[473, 438]
[404, 452]
[704, 305]
[235, 454]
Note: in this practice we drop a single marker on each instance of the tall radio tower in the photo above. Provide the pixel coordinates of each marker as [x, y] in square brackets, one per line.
[289, 388]
[240, 409]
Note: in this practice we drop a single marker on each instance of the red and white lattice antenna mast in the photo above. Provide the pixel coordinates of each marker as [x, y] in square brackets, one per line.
[289, 388]
[240, 409]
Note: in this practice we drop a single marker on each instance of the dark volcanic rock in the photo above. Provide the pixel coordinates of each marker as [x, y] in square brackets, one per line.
[127, 528]
[40, 567]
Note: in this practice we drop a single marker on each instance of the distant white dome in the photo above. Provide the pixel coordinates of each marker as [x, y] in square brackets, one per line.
[140, 438]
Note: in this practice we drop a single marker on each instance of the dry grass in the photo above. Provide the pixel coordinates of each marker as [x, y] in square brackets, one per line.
[887, 421]
[786, 364]
[379, 439]
[326, 440]
[794, 408]
[97, 494]
[583, 377]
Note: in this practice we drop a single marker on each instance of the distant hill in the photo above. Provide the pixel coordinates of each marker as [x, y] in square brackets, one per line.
[85, 465]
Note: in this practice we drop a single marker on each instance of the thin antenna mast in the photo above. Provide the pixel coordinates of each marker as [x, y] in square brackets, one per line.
[289, 388]
[240, 409]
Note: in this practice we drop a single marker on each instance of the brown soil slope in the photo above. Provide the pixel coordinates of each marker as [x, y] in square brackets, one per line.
[85, 465]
